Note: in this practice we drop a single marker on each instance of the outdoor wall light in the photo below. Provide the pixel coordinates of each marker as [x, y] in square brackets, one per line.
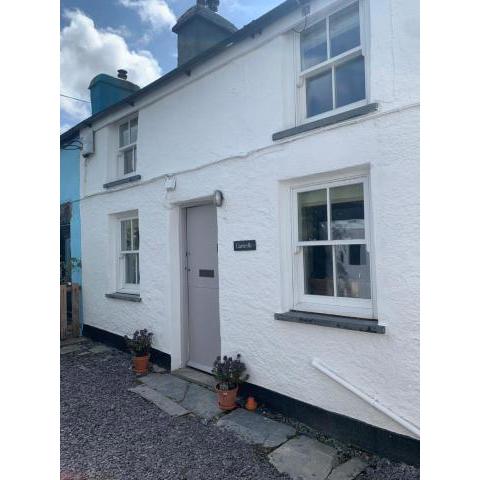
[218, 198]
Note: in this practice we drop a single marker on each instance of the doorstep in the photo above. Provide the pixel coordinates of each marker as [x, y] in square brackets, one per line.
[196, 376]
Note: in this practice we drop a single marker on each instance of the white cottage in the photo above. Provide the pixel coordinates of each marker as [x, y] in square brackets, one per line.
[263, 198]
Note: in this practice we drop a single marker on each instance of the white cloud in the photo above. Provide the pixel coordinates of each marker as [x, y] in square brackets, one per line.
[156, 13]
[86, 51]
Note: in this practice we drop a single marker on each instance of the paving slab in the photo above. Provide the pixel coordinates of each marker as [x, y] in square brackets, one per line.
[161, 401]
[348, 470]
[70, 349]
[196, 376]
[170, 386]
[202, 402]
[157, 369]
[256, 429]
[72, 341]
[100, 349]
[304, 458]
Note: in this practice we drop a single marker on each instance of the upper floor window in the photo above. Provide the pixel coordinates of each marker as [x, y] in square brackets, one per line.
[332, 62]
[127, 147]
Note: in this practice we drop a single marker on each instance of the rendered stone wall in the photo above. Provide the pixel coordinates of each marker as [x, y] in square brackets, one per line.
[213, 131]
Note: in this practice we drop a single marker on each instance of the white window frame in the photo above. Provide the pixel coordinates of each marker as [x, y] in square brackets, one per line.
[120, 160]
[122, 286]
[303, 75]
[355, 307]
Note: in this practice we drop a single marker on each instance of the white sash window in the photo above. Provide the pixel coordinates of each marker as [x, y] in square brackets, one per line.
[332, 63]
[332, 249]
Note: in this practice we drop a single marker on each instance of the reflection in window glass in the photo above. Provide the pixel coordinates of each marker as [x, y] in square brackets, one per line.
[313, 45]
[318, 270]
[129, 157]
[319, 94]
[353, 279]
[344, 30]
[133, 130]
[347, 212]
[350, 82]
[131, 268]
[124, 135]
[126, 226]
[135, 234]
[312, 215]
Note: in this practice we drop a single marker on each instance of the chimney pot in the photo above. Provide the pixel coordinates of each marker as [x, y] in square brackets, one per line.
[122, 74]
[213, 5]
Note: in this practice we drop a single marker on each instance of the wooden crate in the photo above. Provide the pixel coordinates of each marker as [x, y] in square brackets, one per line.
[69, 318]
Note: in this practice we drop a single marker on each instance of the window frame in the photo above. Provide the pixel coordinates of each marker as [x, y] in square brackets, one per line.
[122, 286]
[356, 307]
[301, 76]
[120, 157]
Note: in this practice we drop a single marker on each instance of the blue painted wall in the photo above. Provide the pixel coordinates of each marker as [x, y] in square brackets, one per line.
[70, 192]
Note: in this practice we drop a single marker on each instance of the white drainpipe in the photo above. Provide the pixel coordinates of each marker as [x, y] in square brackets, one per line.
[371, 401]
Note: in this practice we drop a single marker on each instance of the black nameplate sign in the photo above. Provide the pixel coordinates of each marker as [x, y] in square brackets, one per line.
[243, 245]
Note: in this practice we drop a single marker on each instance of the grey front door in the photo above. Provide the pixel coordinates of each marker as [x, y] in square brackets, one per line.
[202, 286]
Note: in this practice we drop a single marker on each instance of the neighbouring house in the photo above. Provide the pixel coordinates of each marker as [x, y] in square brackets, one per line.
[263, 198]
[70, 231]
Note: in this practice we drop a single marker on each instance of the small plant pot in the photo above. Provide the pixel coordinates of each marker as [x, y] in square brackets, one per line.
[226, 398]
[140, 364]
[251, 404]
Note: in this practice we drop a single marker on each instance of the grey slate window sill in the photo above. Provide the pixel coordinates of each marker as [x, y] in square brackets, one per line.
[129, 297]
[335, 321]
[324, 122]
[115, 183]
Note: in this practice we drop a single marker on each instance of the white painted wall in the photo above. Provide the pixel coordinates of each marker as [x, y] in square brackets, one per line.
[216, 128]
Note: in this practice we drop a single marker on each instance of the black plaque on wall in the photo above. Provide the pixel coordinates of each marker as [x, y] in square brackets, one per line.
[244, 245]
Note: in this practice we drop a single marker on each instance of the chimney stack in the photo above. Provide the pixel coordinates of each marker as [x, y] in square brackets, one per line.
[106, 90]
[199, 29]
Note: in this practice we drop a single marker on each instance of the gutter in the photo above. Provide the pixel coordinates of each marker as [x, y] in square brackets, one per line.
[249, 30]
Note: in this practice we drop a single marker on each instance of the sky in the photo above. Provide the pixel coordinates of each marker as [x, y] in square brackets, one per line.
[101, 36]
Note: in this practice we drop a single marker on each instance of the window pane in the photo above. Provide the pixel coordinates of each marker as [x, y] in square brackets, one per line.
[319, 94]
[123, 131]
[318, 270]
[344, 30]
[312, 215]
[136, 234]
[129, 160]
[126, 235]
[350, 82]
[131, 267]
[313, 45]
[353, 271]
[347, 212]
[133, 130]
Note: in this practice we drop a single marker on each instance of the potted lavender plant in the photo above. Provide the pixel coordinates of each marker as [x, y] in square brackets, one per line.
[229, 373]
[140, 345]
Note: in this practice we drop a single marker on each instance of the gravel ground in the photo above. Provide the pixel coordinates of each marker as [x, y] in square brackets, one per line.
[108, 433]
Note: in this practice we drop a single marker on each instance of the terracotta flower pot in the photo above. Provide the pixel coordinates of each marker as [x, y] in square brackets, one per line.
[140, 364]
[226, 398]
[251, 404]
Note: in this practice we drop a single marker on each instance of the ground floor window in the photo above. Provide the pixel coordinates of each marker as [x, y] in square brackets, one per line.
[129, 255]
[331, 247]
